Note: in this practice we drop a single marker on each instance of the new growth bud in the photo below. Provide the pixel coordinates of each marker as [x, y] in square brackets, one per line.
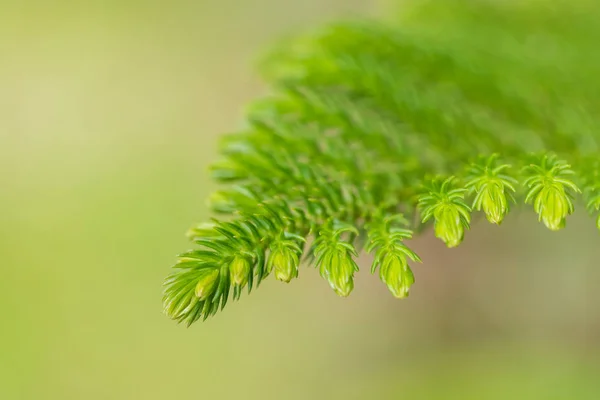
[239, 269]
[285, 262]
[553, 206]
[397, 275]
[448, 226]
[445, 204]
[207, 283]
[492, 187]
[551, 191]
[339, 272]
[492, 200]
[334, 257]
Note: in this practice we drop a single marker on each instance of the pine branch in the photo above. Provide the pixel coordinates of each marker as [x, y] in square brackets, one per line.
[372, 124]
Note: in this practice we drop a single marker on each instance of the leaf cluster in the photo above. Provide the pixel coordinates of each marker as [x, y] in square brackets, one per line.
[376, 129]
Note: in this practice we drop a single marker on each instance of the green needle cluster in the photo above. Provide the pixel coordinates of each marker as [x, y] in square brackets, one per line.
[376, 129]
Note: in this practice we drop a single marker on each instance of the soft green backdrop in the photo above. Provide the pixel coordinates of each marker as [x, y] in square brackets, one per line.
[109, 114]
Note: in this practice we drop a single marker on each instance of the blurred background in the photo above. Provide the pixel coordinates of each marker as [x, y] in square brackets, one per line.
[110, 112]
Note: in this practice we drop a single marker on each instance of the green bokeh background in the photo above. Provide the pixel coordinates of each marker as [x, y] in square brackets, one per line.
[110, 112]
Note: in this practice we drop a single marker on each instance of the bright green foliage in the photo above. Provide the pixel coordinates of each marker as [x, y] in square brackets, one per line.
[360, 117]
[239, 270]
[334, 256]
[591, 185]
[445, 204]
[207, 283]
[492, 188]
[594, 205]
[284, 257]
[387, 236]
[550, 190]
